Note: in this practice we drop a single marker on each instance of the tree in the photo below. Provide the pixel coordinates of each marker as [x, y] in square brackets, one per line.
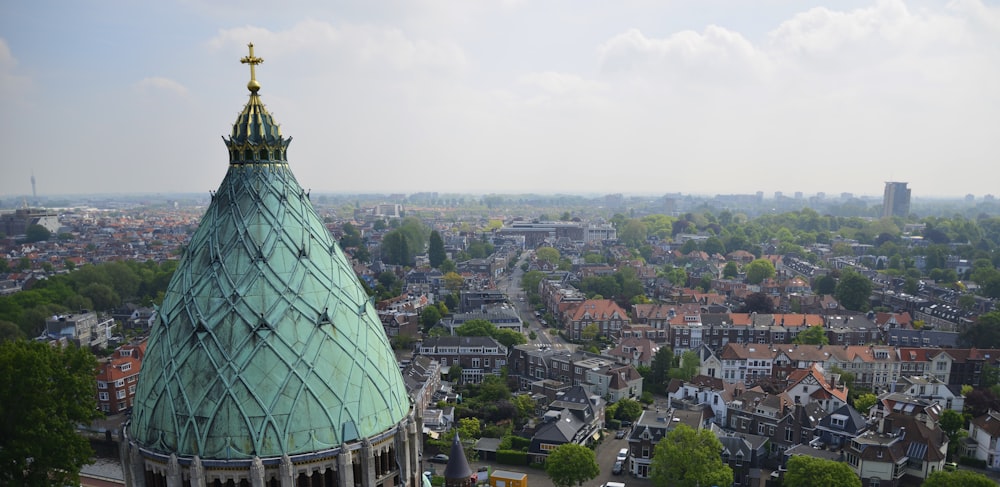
[508, 337]
[429, 317]
[690, 361]
[395, 249]
[730, 270]
[965, 478]
[985, 333]
[453, 281]
[853, 291]
[689, 458]
[758, 270]
[660, 370]
[448, 266]
[805, 471]
[36, 233]
[589, 332]
[47, 392]
[476, 328]
[826, 284]
[813, 335]
[628, 409]
[677, 276]
[548, 254]
[571, 464]
[864, 402]
[757, 302]
[435, 250]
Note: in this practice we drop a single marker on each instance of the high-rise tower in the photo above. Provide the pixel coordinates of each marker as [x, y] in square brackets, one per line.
[268, 365]
[896, 200]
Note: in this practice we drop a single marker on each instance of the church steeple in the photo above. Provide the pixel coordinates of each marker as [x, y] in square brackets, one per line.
[256, 137]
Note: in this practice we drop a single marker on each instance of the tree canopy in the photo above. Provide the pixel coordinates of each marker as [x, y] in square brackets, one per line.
[759, 270]
[964, 478]
[689, 458]
[435, 250]
[806, 471]
[813, 335]
[571, 464]
[985, 333]
[47, 392]
[853, 291]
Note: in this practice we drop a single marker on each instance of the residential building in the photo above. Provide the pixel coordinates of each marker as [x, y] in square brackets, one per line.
[604, 314]
[477, 356]
[896, 200]
[116, 378]
[984, 436]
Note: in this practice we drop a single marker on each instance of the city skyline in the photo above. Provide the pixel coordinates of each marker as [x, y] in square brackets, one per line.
[509, 97]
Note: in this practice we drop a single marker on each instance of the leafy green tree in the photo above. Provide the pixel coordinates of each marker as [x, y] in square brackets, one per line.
[548, 254]
[985, 333]
[964, 478]
[476, 328]
[571, 464]
[47, 392]
[509, 338]
[448, 266]
[435, 250]
[689, 366]
[730, 270]
[628, 409]
[826, 285]
[395, 249]
[689, 458]
[633, 233]
[677, 276]
[759, 270]
[853, 291]
[589, 332]
[806, 471]
[864, 402]
[9, 331]
[36, 233]
[453, 282]
[660, 370]
[429, 317]
[813, 335]
[757, 303]
[525, 406]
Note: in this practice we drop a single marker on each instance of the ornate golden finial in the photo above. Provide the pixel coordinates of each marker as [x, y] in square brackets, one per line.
[253, 61]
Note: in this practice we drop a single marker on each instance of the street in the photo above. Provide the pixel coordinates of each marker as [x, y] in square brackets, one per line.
[606, 452]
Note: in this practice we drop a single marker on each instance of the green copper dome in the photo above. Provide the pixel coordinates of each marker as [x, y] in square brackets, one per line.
[266, 342]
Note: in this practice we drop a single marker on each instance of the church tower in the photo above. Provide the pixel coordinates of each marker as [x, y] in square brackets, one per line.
[268, 365]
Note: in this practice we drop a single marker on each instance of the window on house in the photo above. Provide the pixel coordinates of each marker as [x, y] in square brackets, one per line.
[788, 434]
[126, 367]
[121, 394]
[102, 385]
[102, 396]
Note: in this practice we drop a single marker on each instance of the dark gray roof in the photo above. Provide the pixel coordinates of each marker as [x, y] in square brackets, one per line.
[458, 466]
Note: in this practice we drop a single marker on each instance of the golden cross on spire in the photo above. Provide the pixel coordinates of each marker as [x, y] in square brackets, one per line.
[253, 61]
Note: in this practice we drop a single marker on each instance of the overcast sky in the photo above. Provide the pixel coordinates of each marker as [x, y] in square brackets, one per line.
[564, 96]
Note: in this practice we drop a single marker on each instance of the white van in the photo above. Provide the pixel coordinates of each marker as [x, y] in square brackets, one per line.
[622, 455]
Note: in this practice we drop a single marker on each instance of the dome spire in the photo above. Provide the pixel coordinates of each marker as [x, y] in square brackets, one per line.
[253, 61]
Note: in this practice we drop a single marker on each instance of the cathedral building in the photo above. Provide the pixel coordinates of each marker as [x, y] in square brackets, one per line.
[268, 365]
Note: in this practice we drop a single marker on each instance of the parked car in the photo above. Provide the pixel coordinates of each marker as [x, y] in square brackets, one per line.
[622, 455]
[617, 469]
[620, 434]
[439, 458]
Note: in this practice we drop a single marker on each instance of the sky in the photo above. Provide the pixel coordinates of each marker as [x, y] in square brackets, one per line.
[508, 96]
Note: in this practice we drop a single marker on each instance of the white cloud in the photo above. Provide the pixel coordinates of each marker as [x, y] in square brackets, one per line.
[157, 84]
[12, 84]
[353, 47]
[716, 54]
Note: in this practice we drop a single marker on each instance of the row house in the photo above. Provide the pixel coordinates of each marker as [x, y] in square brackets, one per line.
[605, 313]
[117, 376]
[477, 356]
[745, 454]
[422, 378]
[503, 316]
[837, 429]
[634, 351]
[873, 367]
[649, 429]
[943, 317]
[601, 375]
[775, 416]
[810, 386]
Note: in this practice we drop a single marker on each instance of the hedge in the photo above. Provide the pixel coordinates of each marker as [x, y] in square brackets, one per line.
[512, 457]
[972, 462]
[519, 443]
